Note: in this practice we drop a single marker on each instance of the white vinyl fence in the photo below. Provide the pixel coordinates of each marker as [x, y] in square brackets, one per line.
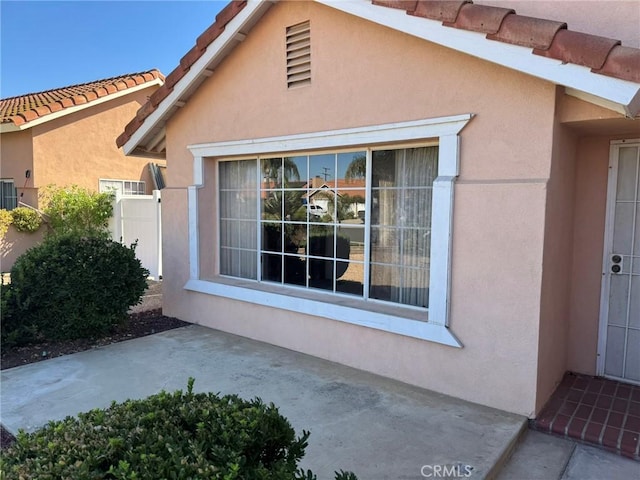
[137, 218]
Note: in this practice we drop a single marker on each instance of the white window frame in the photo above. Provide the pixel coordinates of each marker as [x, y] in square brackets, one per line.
[9, 202]
[122, 184]
[446, 130]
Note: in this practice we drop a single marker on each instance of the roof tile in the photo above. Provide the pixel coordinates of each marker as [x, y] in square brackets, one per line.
[42, 110]
[159, 95]
[55, 107]
[209, 35]
[229, 12]
[26, 108]
[441, 10]
[480, 18]
[175, 76]
[527, 31]
[191, 57]
[579, 48]
[145, 110]
[408, 5]
[622, 62]
[79, 99]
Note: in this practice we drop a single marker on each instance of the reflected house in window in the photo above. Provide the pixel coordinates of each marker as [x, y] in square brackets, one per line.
[444, 196]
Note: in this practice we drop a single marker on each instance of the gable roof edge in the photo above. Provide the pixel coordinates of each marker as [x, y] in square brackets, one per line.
[619, 95]
[214, 53]
[57, 109]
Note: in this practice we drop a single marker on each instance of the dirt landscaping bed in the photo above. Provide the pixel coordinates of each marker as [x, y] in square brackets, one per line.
[139, 324]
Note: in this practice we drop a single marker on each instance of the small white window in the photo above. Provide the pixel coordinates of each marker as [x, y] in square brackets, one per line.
[124, 187]
[8, 194]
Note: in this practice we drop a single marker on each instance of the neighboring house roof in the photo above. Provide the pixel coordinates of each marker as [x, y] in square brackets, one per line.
[25, 111]
[597, 69]
[316, 185]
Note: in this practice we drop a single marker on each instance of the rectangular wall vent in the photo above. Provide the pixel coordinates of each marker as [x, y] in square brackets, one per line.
[298, 55]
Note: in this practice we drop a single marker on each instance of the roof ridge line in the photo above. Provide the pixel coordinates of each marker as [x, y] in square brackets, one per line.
[133, 74]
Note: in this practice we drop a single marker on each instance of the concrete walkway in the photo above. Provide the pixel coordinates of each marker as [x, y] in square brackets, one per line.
[378, 428]
[541, 456]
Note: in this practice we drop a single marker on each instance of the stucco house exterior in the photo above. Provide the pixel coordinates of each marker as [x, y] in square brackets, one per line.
[500, 157]
[65, 136]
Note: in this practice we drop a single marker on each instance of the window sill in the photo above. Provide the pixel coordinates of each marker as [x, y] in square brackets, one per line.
[398, 320]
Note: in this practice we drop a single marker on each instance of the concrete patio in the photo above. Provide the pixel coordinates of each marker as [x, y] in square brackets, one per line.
[376, 427]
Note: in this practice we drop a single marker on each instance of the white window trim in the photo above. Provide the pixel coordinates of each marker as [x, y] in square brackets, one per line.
[445, 129]
[122, 182]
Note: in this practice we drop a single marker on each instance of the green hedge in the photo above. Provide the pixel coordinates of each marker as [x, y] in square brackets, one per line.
[166, 436]
[70, 287]
[25, 219]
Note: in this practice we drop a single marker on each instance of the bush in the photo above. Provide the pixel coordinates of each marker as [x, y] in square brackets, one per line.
[70, 287]
[25, 219]
[322, 245]
[169, 435]
[5, 221]
[76, 211]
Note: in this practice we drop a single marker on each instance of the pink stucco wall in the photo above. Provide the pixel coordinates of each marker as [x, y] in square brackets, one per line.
[499, 208]
[16, 157]
[531, 179]
[15, 243]
[80, 148]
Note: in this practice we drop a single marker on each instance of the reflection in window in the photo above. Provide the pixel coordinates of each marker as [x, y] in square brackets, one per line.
[304, 221]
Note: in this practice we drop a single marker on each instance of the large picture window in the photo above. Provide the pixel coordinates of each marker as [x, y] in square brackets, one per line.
[354, 223]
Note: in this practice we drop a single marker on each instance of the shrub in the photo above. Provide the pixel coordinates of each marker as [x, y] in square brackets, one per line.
[169, 435]
[322, 245]
[25, 219]
[76, 211]
[71, 287]
[5, 221]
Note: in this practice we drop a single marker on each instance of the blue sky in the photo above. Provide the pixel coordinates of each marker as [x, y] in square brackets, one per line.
[51, 44]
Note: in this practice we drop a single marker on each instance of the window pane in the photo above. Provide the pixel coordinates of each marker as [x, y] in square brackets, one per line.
[401, 205]
[321, 241]
[294, 209]
[350, 278]
[238, 175]
[385, 283]
[321, 273]
[272, 237]
[9, 195]
[415, 248]
[351, 167]
[238, 219]
[420, 167]
[385, 245]
[322, 171]
[415, 289]
[295, 270]
[383, 167]
[385, 208]
[271, 267]
[300, 172]
[271, 205]
[238, 263]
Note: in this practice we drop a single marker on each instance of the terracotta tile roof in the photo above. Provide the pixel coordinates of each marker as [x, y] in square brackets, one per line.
[547, 38]
[26, 108]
